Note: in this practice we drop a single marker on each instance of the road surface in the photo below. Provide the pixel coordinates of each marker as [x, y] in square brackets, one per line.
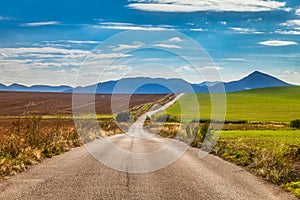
[78, 174]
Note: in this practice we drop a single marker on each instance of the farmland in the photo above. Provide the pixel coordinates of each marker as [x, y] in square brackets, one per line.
[35, 126]
[279, 104]
[54, 104]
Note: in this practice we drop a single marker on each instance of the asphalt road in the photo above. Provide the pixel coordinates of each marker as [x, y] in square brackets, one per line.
[137, 165]
[78, 175]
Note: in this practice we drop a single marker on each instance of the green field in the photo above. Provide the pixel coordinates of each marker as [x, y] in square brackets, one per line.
[274, 155]
[280, 104]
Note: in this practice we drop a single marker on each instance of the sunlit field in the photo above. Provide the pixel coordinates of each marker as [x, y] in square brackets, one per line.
[280, 104]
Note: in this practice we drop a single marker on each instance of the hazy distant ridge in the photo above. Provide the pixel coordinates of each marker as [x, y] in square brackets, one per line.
[158, 86]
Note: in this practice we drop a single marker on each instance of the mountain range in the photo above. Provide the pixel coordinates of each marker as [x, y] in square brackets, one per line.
[145, 85]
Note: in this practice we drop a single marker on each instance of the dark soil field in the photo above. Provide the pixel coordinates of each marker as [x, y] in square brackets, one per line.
[26, 103]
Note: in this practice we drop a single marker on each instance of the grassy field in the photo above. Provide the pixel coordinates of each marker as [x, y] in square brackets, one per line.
[280, 104]
[274, 155]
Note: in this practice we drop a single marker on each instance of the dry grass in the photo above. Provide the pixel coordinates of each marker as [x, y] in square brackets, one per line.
[28, 141]
[90, 130]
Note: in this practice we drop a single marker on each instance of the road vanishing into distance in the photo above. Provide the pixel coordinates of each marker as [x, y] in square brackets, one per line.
[137, 165]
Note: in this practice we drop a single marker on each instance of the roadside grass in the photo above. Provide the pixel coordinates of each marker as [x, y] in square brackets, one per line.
[96, 116]
[279, 104]
[29, 140]
[273, 155]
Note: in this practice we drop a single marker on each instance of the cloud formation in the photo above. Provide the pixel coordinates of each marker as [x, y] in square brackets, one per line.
[183, 68]
[33, 24]
[292, 27]
[122, 47]
[297, 11]
[277, 43]
[209, 5]
[175, 39]
[291, 32]
[245, 30]
[130, 26]
[169, 46]
[80, 41]
[295, 22]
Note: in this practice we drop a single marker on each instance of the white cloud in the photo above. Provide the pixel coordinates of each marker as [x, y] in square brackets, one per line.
[75, 70]
[169, 46]
[46, 57]
[43, 52]
[277, 43]
[210, 68]
[100, 56]
[208, 5]
[235, 59]
[81, 41]
[197, 29]
[175, 39]
[294, 32]
[183, 68]
[32, 24]
[295, 22]
[130, 26]
[122, 47]
[254, 20]
[4, 55]
[223, 23]
[134, 28]
[52, 65]
[294, 26]
[245, 30]
[297, 11]
[116, 24]
[118, 68]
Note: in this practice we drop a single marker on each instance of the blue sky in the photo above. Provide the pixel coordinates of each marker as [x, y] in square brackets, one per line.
[45, 42]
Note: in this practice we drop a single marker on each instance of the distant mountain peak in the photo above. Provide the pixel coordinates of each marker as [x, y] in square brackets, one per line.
[260, 76]
[255, 80]
[258, 73]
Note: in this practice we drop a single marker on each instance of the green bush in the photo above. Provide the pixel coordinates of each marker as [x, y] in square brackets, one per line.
[123, 116]
[295, 123]
[166, 118]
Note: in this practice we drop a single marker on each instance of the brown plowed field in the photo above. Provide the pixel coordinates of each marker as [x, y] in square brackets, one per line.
[26, 103]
